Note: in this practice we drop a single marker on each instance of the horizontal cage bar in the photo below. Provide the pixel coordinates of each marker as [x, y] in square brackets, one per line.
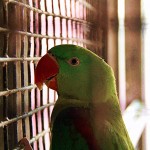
[30, 113]
[88, 42]
[8, 92]
[10, 59]
[35, 138]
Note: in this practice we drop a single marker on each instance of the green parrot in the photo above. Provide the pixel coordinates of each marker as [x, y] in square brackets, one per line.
[86, 115]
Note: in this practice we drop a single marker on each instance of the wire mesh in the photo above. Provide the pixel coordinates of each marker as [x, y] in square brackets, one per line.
[28, 29]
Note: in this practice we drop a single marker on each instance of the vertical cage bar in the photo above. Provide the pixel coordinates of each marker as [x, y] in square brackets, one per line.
[66, 20]
[26, 101]
[50, 23]
[18, 74]
[69, 31]
[121, 54]
[146, 66]
[113, 36]
[71, 14]
[2, 46]
[11, 103]
[38, 46]
[44, 47]
[53, 5]
[59, 7]
[133, 49]
[32, 94]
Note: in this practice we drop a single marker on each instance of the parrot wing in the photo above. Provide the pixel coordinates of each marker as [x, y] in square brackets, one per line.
[114, 140]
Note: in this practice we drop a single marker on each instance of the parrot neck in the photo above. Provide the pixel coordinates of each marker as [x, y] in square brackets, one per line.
[63, 103]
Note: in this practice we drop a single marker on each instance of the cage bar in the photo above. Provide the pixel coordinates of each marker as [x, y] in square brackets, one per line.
[30, 113]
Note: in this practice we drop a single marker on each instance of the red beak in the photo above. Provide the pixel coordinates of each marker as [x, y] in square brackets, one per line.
[46, 71]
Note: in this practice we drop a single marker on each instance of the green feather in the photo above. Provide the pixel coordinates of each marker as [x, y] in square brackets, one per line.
[87, 85]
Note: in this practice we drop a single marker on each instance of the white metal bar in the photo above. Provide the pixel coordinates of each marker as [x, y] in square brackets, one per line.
[8, 92]
[39, 135]
[35, 138]
[146, 65]
[10, 59]
[9, 121]
[121, 54]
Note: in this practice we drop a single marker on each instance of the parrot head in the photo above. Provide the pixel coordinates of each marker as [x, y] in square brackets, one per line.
[75, 72]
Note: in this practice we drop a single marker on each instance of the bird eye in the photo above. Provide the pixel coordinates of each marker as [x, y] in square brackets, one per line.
[74, 61]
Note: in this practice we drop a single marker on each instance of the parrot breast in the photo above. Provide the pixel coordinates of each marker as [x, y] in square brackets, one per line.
[77, 121]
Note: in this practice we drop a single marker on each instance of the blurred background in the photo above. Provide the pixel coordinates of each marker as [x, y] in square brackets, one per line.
[118, 31]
